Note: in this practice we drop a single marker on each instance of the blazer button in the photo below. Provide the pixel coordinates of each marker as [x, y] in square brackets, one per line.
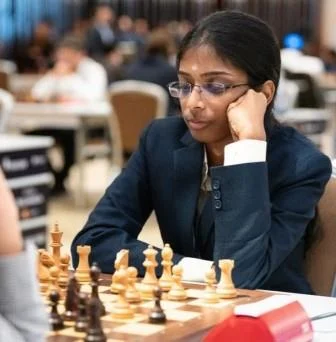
[218, 204]
[216, 194]
[215, 184]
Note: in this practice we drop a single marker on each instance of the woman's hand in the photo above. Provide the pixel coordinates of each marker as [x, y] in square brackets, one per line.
[246, 116]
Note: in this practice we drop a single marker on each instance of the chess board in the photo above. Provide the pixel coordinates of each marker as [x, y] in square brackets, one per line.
[187, 320]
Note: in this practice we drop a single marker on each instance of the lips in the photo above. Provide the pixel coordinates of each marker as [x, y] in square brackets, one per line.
[197, 125]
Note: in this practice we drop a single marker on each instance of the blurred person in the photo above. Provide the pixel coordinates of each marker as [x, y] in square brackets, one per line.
[114, 64]
[141, 28]
[101, 36]
[73, 77]
[37, 56]
[154, 66]
[23, 315]
[328, 57]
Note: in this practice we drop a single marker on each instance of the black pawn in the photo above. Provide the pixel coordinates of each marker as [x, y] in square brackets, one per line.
[82, 317]
[55, 319]
[71, 300]
[157, 315]
[95, 274]
[95, 332]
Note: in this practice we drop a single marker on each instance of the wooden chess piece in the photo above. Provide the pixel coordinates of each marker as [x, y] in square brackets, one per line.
[54, 274]
[42, 273]
[225, 287]
[55, 319]
[121, 259]
[157, 315]
[132, 295]
[71, 300]
[210, 295]
[95, 274]
[56, 236]
[82, 319]
[177, 291]
[64, 270]
[83, 270]
[150, 264]
[121, 309]
[166, 279]
[95, 331]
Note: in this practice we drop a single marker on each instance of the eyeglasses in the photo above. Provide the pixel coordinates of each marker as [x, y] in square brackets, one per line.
[184, 89]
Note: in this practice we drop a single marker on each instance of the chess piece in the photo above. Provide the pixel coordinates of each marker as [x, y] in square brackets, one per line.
[225, 287]
[150, 264]
[42, 273]
[83, 270]
[64, 270]
[56, 236]
[132, 295]
[55, 319]
[82, 319]
[121, 309]
[95, 331]
[210, 295]
[157, 315]
[54, 274]
[95, 274]
[71, 300]
[120, 260]
[166, 279]
[177, 291]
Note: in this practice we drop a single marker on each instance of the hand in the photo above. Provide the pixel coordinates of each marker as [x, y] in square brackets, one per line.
[61, 69]
[11, 239]
[246, 116]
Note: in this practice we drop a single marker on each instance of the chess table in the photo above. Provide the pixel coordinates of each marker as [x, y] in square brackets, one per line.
[187, 320]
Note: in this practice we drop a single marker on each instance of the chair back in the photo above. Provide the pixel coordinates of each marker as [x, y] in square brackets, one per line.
[134, 105]
[321, 257]
[6, 108]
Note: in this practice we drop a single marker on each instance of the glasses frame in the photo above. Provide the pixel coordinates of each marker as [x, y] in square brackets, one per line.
[201, 88]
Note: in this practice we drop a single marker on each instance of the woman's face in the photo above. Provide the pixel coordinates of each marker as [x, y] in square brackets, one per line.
[205, 113]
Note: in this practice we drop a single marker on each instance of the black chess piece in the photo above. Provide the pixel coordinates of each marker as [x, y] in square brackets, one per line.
[95, 332]
[157, 315]
[71, 300]
[82, 316]
[55, 319]
[95, 274]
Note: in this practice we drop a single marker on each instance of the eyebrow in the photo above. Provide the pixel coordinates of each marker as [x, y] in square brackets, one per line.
[210, 73]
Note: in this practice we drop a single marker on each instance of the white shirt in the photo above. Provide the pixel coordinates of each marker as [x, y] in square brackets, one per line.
[88, 83]
[240, 152]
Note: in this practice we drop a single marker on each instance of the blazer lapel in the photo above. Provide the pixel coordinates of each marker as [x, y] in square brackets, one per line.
[188, 162]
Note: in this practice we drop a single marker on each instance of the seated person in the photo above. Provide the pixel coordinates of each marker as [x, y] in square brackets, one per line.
[22, 313]
[226, 181]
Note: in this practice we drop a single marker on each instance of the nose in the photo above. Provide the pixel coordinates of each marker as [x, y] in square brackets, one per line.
[195, 100]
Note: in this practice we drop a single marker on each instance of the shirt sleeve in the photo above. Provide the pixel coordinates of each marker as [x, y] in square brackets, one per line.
[245, 151]
[194, 269]
[21, 306]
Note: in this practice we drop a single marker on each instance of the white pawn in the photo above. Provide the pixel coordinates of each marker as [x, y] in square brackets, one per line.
[225, 287]
[64, 267]
[166, 279]
[177, 291]
[132, 295]
[210, 295]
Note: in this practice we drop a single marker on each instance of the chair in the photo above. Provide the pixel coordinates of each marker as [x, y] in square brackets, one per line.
[321, 256]
[134, 105]
[6, 107]
[7, 69]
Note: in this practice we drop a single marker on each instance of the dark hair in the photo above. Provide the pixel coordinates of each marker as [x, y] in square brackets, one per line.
[245, 41]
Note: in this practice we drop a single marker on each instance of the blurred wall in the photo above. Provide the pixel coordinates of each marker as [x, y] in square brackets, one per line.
[328, 28]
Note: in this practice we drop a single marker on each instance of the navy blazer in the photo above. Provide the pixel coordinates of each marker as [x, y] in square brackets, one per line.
[261, 210]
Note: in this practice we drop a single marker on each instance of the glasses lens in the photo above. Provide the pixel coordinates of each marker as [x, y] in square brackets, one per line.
[214, 88]
[179, 89]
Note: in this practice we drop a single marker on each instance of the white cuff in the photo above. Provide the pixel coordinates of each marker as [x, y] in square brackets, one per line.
[245, 151]
[194, 269]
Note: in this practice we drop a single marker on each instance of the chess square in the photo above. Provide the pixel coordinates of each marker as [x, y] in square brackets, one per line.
[143, 329]
[182, 316]
[165, 304]
[195, 293]
[136, 318]
[220, 304]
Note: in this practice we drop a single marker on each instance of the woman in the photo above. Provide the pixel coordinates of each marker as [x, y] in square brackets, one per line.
[225, 180]
[23, 316]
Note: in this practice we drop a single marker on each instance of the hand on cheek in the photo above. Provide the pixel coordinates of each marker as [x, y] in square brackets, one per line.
[246, 116]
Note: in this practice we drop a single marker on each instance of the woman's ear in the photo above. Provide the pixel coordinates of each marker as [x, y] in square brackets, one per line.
[268, 89]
